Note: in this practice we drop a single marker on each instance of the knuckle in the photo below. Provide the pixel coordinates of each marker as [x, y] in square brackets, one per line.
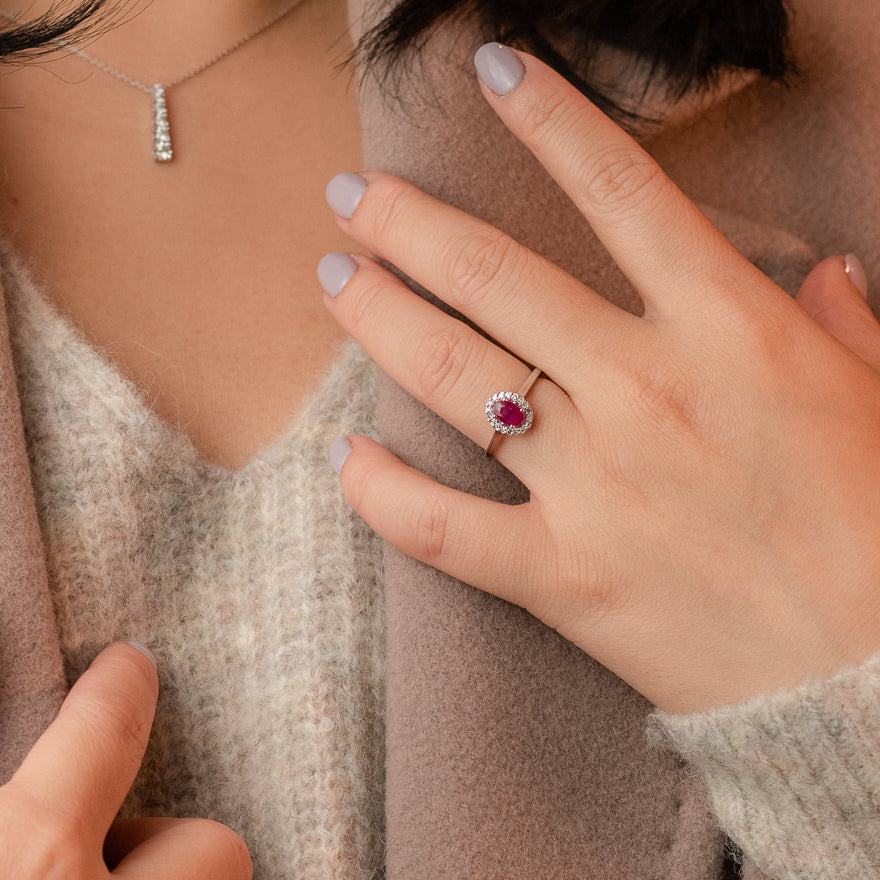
[606, 599]
[666, 399]
[588, 588]
[546, 119]
[601, 587]
[44, 847]
[385, 212]
[480, 262]
[362, 307]
[619, 468]
[622, 179]
[440, 359]
[432, 522]
[605, 594]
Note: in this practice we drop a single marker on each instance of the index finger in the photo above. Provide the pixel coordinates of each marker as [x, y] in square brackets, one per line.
[85, 762]
[662, 242]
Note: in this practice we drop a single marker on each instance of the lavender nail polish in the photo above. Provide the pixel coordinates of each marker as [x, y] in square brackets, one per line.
[340, 449]
[344, 193]
[499, 68]
[334, 271]
[145, 651]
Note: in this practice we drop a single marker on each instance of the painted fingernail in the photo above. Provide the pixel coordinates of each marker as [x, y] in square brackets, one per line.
[856, 272]
[146, 652]
[340, 449]
[344, 193]
[334, 271]
[499, 68]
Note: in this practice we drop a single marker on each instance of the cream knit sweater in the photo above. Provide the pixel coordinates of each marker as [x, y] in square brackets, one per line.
[794, 777]
[259, 591]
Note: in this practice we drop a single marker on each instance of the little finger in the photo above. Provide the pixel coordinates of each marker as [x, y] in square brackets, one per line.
[480, 542]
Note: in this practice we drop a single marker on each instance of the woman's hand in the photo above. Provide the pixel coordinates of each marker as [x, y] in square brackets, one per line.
[56, 811]
[705, 488]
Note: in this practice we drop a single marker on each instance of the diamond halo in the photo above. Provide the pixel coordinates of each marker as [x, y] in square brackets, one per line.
[520, 402]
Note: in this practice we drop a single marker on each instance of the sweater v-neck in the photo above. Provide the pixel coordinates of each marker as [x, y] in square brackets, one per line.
[259, 590]
[37, 323]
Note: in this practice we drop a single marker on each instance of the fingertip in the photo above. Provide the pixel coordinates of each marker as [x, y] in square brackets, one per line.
[335, 271]
[370, 452]
[344, 193]
[122, 655]
[365, 476]
[856, 273]
[146, 652]
[499, 68]
[833, 296]
[340, 449]
[88, 757]
[832, 283]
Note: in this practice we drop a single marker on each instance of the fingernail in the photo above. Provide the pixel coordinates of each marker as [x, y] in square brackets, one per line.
[146, 652]
[334, 270]
[856, 272]
[340, 449]
[344, 193]
[499, 68]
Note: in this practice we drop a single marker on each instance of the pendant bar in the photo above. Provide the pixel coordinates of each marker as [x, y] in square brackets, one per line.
[162, 151]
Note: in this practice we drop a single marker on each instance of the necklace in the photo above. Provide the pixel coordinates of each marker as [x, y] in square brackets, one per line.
[162, 150]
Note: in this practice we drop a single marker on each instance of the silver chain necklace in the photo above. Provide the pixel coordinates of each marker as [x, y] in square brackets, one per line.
[162, 151]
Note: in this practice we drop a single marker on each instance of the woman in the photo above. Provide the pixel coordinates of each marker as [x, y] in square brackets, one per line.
[662, 649]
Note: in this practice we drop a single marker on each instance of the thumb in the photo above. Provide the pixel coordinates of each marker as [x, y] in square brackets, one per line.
[86, 760]
[834, 295]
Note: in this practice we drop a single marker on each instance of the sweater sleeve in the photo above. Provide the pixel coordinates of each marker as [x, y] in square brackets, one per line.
[794, 776]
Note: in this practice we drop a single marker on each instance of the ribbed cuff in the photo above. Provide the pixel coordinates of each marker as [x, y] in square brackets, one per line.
[794, 776]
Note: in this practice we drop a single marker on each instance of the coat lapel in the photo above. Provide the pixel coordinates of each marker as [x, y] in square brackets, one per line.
[32, 682]
[511, 753]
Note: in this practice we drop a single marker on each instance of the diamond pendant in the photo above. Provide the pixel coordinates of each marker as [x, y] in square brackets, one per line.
[162, 151]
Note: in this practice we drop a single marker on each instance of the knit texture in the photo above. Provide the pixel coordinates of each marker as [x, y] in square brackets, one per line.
[794, 776]
[259, 590]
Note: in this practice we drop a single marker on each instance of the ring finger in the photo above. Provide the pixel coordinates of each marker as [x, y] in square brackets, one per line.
[440, 360]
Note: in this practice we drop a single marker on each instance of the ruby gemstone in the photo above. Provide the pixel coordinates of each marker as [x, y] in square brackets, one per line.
[508, 413]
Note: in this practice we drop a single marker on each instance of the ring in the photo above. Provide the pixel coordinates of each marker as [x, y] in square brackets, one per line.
[509, 412]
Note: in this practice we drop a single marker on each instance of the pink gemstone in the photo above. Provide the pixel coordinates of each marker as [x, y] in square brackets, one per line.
[508, 413]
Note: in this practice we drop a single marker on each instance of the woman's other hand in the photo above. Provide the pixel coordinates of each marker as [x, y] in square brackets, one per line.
[56, 810]
[705, 479]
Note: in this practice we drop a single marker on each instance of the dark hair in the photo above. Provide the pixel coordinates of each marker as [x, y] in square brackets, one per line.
[683, 44]
[34, 38]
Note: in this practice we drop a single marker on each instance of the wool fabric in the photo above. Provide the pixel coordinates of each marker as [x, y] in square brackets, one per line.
[793, 776]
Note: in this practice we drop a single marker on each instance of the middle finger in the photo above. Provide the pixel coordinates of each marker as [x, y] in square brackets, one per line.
[524, 301]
